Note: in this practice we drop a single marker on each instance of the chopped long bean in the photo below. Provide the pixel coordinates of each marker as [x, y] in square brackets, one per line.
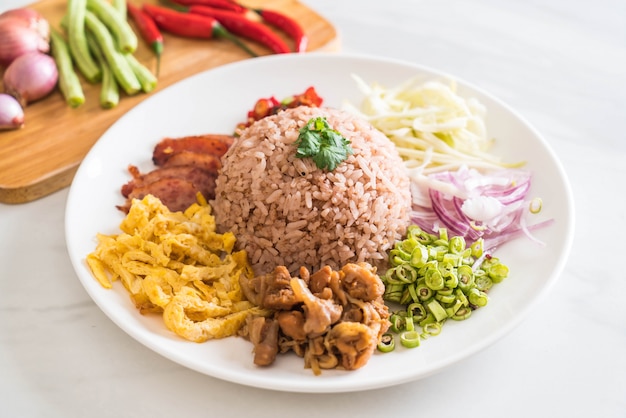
[410, 339]
[387, 343]
[125, 38]
[69, 84]
[77, 41]
[437, 277]
[117, 61]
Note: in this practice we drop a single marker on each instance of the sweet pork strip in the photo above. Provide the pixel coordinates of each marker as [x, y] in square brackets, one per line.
[213, 144]
[206, 162]
[203, 180]
[176, 194]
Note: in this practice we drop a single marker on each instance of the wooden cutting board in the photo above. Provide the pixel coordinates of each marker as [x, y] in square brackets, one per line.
[44, 155]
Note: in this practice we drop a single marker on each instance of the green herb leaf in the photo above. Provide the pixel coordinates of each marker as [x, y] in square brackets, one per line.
[327, 147]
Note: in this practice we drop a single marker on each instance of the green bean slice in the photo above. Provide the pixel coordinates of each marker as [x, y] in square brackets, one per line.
[437, 310]
[434, 279]
[416, 311]
[387, 343]
[423, 291]
[477, 297]
[419, 256]
[393, 292]
[498, 272]
[432, 329]
[410, 339]
[482, 281]
[397, 323]
[456, 245]
[462, 314]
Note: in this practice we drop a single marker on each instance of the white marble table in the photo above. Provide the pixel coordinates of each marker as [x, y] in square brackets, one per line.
[561, 64]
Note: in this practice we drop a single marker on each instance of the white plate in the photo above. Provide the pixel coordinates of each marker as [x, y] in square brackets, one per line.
[214, 102]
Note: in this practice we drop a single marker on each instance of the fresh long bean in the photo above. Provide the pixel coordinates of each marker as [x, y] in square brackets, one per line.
[69, 84]
[117, 61]
[77, 41]
[147, 80]
[120, 6]
[109, 89]
[125, 38]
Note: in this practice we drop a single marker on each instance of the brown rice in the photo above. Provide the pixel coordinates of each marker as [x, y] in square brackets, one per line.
[286, 211]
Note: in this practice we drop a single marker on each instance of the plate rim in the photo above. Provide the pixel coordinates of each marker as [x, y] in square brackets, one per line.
[337, 387]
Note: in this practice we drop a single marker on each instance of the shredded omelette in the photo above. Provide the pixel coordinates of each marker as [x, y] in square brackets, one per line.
[175, 263]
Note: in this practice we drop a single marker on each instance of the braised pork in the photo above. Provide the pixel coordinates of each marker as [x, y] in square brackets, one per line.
[333, 319]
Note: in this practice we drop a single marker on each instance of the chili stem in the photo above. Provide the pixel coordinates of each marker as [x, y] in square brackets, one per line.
[149, 32]
[290, 26]
[192, 25]
[242, 26]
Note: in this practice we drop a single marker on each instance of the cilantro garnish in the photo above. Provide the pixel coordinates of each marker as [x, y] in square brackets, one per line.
[327, 147]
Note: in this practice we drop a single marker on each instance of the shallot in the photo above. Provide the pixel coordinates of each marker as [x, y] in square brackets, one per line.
[16, 40]
[11, 113]
[30, 77]
[22, 31]
[30, 18]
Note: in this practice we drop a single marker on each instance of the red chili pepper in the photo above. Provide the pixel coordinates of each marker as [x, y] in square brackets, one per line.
[218, 4]
[270, 106]
[191, 25]
[242, 26]
[149, 31]
[288, 25]
[310, 97]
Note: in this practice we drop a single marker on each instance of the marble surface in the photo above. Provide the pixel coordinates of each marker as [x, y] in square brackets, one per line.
[561, 64]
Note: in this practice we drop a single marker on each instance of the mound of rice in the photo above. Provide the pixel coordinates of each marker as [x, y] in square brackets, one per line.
[286, 211]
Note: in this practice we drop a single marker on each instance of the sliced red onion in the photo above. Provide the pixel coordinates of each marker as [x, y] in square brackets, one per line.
[492, 206]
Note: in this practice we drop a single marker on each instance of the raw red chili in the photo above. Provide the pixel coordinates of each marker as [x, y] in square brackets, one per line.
[218, 4]
[242, 26]
[270, 106]
[191, 25]
[288, 25]
[149, 31]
